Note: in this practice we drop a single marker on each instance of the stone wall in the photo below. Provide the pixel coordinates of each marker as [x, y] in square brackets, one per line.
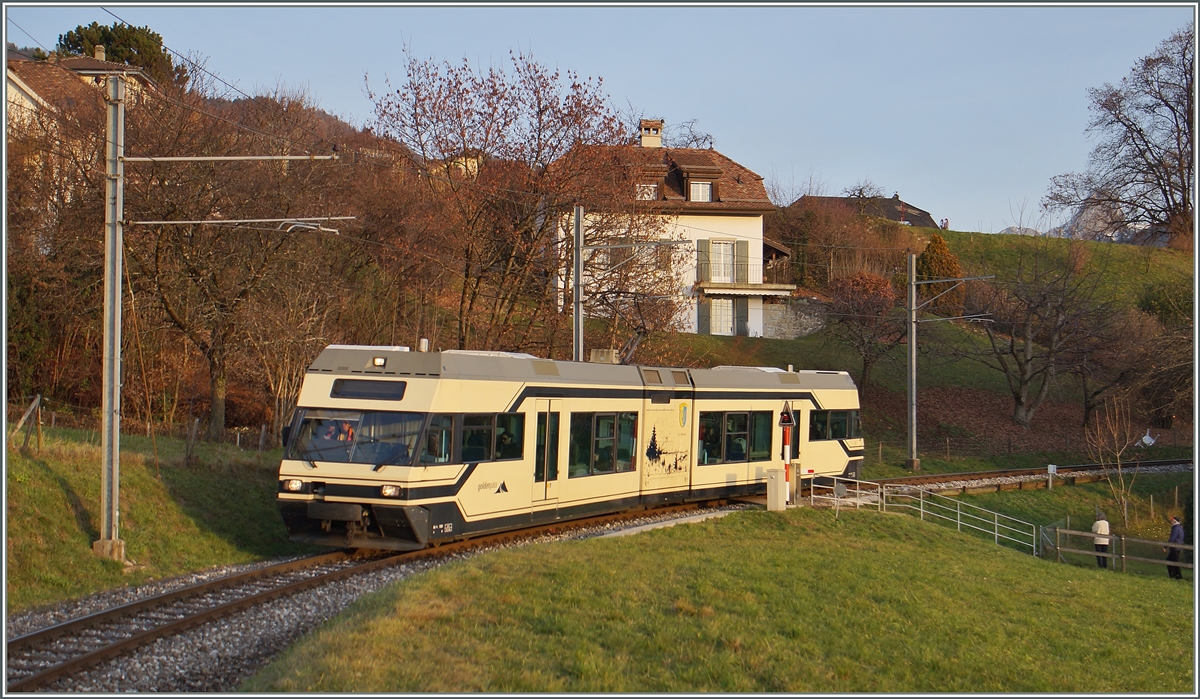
[793, 318]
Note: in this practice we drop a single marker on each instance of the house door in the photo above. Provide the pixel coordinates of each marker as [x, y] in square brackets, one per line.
[545, 455]
[721, 255]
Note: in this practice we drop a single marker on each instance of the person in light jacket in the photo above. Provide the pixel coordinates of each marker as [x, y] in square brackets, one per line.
[1172, 551]
[1100, 527]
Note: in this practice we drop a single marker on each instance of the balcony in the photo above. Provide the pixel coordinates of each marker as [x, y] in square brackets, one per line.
[738, 279]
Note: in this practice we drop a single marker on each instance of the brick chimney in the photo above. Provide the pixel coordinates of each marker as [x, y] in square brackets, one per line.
[651, 133]
[99, 52]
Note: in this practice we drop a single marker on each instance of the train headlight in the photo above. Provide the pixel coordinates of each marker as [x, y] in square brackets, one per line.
[379, 361]
[293, 485]
[390, 491]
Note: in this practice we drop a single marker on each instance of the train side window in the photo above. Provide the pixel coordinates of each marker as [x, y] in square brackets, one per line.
[604, 452]
[760, 435]
[818, 425]
[627, 442]
[736, 433]
[837, 424]
[710, 438]
[833, 424]
[579, 453]
[477, 437]
[439, 440]
[510, 435]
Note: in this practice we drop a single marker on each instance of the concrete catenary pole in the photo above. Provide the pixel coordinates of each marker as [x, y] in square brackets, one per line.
[110, 544]
[577, 286]
[912, 462]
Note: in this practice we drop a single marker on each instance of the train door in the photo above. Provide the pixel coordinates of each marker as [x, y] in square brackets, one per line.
[667, 408]
[545, 456]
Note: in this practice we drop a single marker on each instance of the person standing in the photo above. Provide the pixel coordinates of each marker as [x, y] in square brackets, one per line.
[1100, 528]
[1172, 551]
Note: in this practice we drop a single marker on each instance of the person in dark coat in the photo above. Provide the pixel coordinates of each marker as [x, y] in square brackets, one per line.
[1172, 551]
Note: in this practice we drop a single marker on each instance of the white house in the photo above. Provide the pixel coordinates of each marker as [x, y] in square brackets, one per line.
[719, 206]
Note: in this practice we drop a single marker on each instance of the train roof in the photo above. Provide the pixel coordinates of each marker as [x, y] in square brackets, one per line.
[366, 361]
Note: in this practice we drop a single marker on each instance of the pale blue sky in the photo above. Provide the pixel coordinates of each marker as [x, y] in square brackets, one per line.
[966, 111]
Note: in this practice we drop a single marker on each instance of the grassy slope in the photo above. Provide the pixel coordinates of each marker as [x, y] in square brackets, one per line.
[798, 601]
[218, 512]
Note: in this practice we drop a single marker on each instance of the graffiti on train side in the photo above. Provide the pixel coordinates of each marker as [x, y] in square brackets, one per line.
[662, 461]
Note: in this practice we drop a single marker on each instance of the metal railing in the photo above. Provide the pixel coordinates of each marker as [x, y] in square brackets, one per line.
[846, 492]
[729, 273]
[1123, 550]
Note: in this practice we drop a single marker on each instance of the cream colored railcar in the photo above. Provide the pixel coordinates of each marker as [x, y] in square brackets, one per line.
[393, 449]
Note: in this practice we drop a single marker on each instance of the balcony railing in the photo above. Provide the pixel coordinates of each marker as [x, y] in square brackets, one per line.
[729, 273]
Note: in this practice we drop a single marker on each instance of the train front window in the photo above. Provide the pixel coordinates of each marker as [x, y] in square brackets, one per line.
[359, 437]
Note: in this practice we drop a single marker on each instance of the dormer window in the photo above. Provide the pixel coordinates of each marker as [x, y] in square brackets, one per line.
[647, 192]
[700, 191]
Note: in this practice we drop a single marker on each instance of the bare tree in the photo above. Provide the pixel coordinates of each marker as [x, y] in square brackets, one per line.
[204, 275]
[1043, 309]
[1140, 174]
[1108, 441]
[863, 314]
[504, 158]
[861, 193]
[53, 243]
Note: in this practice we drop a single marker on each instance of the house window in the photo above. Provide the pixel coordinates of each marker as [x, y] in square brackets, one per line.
[701, 191]
[721, 320]
[647, 192]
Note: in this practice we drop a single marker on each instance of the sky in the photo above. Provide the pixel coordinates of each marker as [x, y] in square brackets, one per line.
[966, 111]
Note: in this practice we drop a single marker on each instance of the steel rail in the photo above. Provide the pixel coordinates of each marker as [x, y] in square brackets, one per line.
[124, 645]
[78, 662]
[1002, 473]
[41, 635]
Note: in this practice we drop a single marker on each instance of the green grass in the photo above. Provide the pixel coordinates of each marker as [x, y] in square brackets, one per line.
[1127, 268]
[219, 511]
[801, 601]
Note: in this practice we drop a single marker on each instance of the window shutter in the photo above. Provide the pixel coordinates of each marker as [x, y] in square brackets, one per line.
[702, 260]
[741, 316]
[703, 313]
[741, 260]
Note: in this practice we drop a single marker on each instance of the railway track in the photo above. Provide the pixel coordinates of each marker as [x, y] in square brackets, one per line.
[1063, 472]
[42, 657]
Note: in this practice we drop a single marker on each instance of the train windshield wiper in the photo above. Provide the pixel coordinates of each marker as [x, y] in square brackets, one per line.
[307, 459]
[391, 455]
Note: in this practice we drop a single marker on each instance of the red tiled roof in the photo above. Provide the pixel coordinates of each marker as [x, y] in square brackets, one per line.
[892, 208]
[738, 188]
[54, 84]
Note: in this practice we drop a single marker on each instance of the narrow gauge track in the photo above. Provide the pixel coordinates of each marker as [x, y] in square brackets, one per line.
[41, 657]
[1062, 471]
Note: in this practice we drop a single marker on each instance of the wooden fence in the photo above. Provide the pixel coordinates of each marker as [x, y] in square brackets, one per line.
[1123, 551]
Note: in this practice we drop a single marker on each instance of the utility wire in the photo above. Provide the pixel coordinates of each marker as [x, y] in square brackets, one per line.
[14, 23]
